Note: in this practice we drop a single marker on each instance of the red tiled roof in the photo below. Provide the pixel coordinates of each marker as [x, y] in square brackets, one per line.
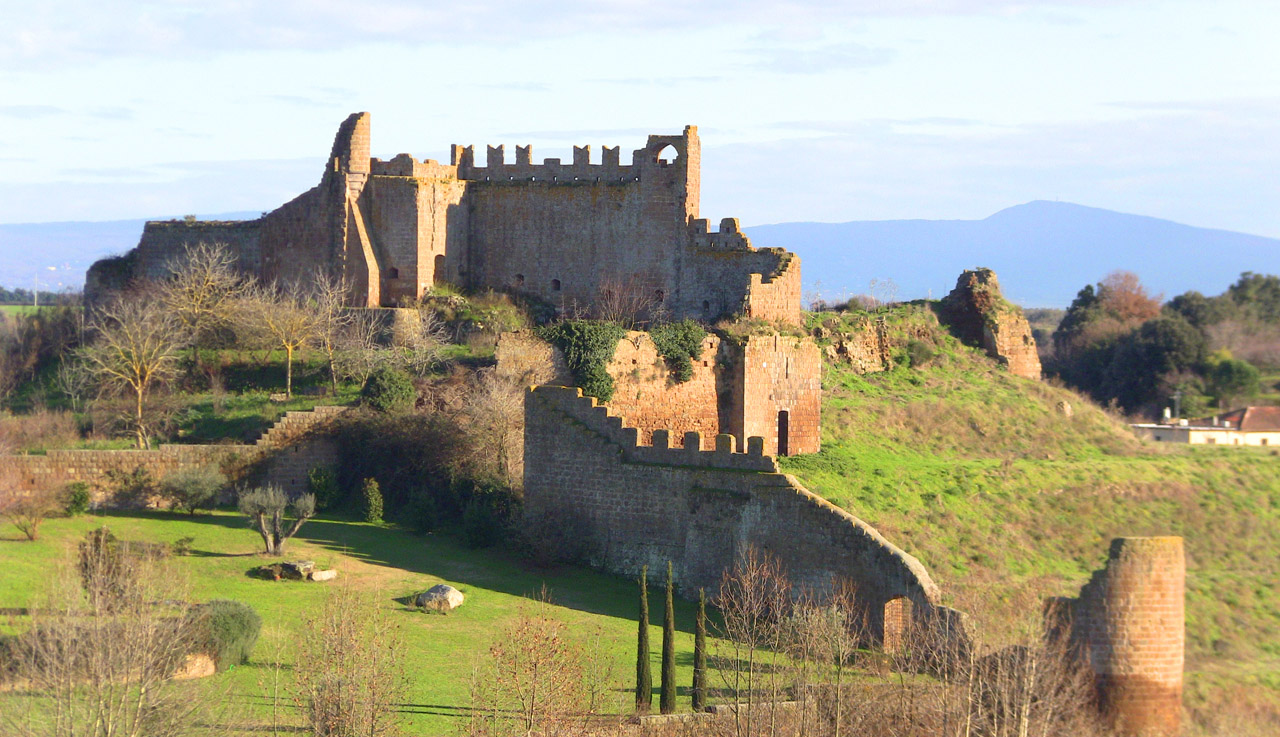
[1248, 419]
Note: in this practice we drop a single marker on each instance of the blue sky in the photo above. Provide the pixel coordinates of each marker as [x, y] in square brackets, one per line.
[808, 110]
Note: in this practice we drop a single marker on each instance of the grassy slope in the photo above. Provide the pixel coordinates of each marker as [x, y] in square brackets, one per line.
[440, 651]
[974, 471]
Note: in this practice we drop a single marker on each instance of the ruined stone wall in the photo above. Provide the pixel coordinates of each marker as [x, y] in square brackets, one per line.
[735, 389]
[979, 315]
[1130, 619]
[282, 456]
[649, 398]
[782, 374]
[566, 233]
[646, 505]
[166, 240]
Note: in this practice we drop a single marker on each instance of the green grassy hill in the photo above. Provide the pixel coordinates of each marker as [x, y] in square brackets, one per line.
[996, 490]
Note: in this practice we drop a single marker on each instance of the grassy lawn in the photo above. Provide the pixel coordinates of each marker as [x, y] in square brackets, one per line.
[976, 473]
[440, 651]
[18, 309]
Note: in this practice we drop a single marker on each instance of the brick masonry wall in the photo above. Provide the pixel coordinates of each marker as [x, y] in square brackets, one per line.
[644, 505]
[782, 374]
[739, 390]
[647, 396]
[284, 455]
[1130, 618]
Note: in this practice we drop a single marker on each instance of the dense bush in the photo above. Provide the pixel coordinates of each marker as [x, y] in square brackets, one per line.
[410, 455]
[489, 509]
[919, 353]
[323, 483]
[227, 630]
[421, 514]
[131, 487]
[389, 390]
[679, 343]
[371, 501]
[77, 498]
[588, 346]
[193, 488]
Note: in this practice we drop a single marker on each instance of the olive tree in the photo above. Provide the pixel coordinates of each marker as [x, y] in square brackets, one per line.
[266, 507]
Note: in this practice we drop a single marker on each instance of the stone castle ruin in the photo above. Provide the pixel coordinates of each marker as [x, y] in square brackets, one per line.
[680, 471]
[568, 233]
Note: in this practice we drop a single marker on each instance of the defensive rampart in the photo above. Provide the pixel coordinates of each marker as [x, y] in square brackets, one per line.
[648, 504]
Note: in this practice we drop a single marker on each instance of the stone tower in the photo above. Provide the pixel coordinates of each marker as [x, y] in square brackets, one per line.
[1129, 618]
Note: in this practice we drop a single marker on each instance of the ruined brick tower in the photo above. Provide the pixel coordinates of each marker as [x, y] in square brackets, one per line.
[1129, 619]
[569, 233]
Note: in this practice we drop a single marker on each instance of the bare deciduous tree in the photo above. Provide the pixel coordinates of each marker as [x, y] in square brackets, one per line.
[538, 679]
[283, 317]
[135, 345]
[266, 506]
[105, 665]
[334, 319]
[202, 289]
[358, 352]
[74, 380]
[349, 674]
[493, 419]
[28, 511]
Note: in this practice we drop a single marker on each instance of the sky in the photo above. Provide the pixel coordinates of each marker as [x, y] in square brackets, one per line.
[809, 110]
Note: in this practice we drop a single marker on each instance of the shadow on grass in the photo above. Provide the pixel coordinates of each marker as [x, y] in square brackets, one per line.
[445, 557]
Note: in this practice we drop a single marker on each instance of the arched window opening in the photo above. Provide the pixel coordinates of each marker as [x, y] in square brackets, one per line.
[438, 276]
[555, 285]
[519, 280]
[393, 273]
[666, 155]
[659, 295]
[706, 306]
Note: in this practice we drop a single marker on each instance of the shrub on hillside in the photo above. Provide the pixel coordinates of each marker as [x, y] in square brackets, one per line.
[323, 483]
[227, 630]
[77, 498]
[588, 346]
[919, 353]
[371, 501]
[389, 390]
[130, 487]
[193, 488]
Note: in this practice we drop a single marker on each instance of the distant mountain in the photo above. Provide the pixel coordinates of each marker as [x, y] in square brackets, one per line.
[1043, 252]
[59, 254]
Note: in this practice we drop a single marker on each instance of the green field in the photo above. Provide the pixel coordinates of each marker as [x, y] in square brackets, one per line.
[440, 651]
[18, 309]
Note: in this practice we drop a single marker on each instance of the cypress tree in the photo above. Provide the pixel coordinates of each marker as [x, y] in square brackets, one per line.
[644, 679]
[668, 703]
[700, 655]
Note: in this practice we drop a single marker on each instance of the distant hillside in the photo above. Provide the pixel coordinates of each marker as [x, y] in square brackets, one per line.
[1006, 497]
[1043, 251]
[59, 254]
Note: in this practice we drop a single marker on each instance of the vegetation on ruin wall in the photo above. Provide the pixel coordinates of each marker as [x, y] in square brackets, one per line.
[978, 474]
[439, 651]
[588, 346]
[679, 343]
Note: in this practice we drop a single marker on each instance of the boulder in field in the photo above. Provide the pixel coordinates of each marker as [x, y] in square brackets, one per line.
[441, 598]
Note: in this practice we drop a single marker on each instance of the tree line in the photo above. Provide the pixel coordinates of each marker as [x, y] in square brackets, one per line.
[1123, 346]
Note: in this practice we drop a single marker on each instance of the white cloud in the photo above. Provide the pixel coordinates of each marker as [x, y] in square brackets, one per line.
[61, 32]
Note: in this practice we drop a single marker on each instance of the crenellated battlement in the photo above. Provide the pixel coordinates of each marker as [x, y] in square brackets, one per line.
[728, 238]
[571, 402]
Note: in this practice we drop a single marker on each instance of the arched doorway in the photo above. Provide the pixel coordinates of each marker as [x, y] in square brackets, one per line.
[438, 276]
[784, 433]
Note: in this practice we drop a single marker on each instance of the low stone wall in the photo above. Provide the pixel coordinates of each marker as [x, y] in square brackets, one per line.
[284, 455]
[645, 505]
